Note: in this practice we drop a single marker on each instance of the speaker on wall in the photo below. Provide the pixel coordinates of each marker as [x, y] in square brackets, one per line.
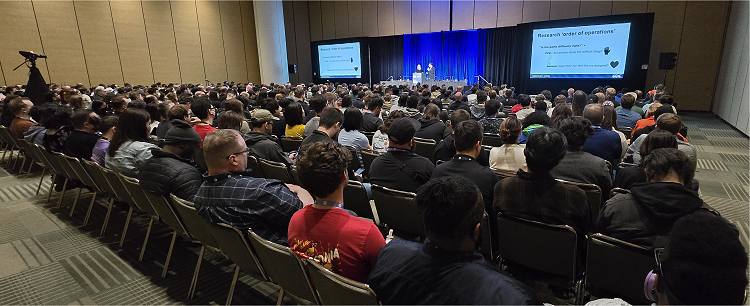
[667, 60]
[292, 68]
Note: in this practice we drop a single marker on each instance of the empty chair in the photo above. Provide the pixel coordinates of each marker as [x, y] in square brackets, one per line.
[398, 211]
[122, 195]
[545, 250]
[593, 197]
[492, 140]
[57, 171]
[254, 167]
[356, 200]
[276, 170]
[97, 174]
[290, 144]
[199, 229]
[424, 147]
[166, 214]
[10, 145]
[283, 268]
[67, 172]
[615, 268]
[82, 176]
[142, 203]
[232, 243]
[334, 289]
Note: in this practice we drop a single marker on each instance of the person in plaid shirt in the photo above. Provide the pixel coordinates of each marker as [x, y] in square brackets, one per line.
[230, 195]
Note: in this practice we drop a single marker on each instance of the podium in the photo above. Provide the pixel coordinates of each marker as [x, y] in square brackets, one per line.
[417, 77]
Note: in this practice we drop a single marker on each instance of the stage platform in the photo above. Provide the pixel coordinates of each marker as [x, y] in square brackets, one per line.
[410, 83]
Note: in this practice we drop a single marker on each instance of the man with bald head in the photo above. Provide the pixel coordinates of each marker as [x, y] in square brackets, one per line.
[602, 143]
[230, 195]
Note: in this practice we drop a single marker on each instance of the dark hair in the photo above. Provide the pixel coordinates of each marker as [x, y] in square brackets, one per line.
[509, 129]
[466, 134]
[481, 96]
[545, 147]
[234, 105]
[540, 106]
[579, 102]
[627, 101]
[664, 109]
[669, 122]
[452, 207]
[659, 162]
[657, 139]
[271, 105]
[346, 101]
[413, 101]
[352, 119]
[704, 262]
[391, 117]
[374, 103]
[59, 117]
[559, 113]
[130, 127]
[317, 104]
[154, 112]
[107, 123]
[459, 116]
[576, 130]
[524, 100]
[431, 112]
[293, 114]
[491, 107]
[666, 99]
[230, 120]
[178, 112]
[547, 94]
[330, 116]
[201, 107]
[320, 167]
[80, 118]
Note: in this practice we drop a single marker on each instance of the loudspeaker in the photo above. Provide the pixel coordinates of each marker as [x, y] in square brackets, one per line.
[667, 60]
[292, 68]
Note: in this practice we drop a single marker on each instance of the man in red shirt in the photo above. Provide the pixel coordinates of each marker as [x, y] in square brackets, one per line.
[203, 109]
[324, 231]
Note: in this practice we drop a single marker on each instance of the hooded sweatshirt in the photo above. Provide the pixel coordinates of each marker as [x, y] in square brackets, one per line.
[265, 147]
[431, 129]
[646, 215]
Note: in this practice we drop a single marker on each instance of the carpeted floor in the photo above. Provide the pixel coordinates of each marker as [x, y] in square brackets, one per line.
[50, 258]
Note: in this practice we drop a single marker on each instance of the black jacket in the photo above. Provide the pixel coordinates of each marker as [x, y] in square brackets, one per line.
[432, 129]
[469, 168]
[166, 173]
[264, 146]
[646, 215]
[401, 170]
[447, 148]
[80, 144]
[370, 123]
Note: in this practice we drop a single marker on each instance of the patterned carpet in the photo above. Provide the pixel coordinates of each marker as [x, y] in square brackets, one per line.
[50, 258]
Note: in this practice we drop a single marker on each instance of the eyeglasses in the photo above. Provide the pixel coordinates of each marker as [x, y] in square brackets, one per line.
[246, 150]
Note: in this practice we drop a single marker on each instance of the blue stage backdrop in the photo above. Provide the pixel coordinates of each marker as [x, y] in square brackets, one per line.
[456, 55]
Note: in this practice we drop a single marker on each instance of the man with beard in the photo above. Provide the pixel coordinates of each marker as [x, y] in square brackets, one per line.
[171, 168]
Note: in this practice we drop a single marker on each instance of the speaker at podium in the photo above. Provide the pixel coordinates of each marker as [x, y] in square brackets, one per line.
[417, 77]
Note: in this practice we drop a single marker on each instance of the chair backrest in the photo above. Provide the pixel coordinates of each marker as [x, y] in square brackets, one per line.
[367, 158]
[96, 172]
[356, 200]
[282, 267]
[252, 164]
[113, 178]
[74, 164]
[232, 243]
[276, 170]
[166, 213]
[618, 190]
[39, 152]
[491, 140]
[424, 147]
[62, 164]
[627, 131]
[369, 136]
[593, 196]
[485, 244]
[398, 209]
[195, 225]
[137, 193]
[8, 137]
[334, 289]
[356, 162]
[615, 268]
[625, 165]
[503, 174]
[546, 248]
[290, 144]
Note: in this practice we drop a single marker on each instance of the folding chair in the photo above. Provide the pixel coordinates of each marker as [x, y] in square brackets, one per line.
[492, 140]
[254, 167]
[607, 257]
[98, 174]
[334, 289]
[398, 211]
[67, 172]
[369, 136]
[122, 195]
[356, 200]
[545, 249]
[368, 157]
[57, 171]
[593, 197]
[199, 229]
[233, 243]
[40, 160]
[142, 203]
[276, 170]
[290, 144]
[10, 145]
[503, 174]
[424, 147]
[283, 268]
[355, 164]
[80, 174]
[166, 214]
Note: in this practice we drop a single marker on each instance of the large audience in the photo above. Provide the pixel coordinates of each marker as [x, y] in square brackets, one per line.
[195, 141]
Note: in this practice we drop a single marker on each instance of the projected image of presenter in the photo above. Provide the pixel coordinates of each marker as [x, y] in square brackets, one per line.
[419, 68]
[430, 72]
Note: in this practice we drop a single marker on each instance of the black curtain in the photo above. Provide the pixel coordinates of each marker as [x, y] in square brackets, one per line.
[505, 54]
[386, 57]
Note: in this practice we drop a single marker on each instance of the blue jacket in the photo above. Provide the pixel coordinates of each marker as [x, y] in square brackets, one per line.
[605, 144]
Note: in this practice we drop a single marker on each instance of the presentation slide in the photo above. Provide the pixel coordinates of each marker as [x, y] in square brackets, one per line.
[340, 61]
[592, 51]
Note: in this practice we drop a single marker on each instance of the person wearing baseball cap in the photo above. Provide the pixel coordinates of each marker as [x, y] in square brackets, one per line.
[259, 140]
[171, 169]
[400, 168]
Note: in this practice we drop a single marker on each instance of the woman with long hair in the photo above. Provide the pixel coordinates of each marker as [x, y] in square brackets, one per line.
[295, 120]
[129, 146]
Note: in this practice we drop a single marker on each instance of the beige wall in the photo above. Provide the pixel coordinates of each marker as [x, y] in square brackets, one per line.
[732, 99]
[693, 29]
[138, 42]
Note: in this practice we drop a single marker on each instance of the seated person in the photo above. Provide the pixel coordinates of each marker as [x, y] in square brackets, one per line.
[231, 196]
[20, 108]
[260, 141]
[446, 269]
[380, 139]
[82, 139]
[650, 209]
[171, 168]
[468, 145]
[180, 112]
[324, 231]
[536, 195]
[491, 120]
[601, 142]
[579, 166]
[509, 156]
[371, 120]
[704, 263]
[430, 125]
[667, 122]
[328, 127]
[129, 147]
[626, 116]
[400, 168]
[107, 130]
[627, 176]
[317, 104]
[350, 135]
